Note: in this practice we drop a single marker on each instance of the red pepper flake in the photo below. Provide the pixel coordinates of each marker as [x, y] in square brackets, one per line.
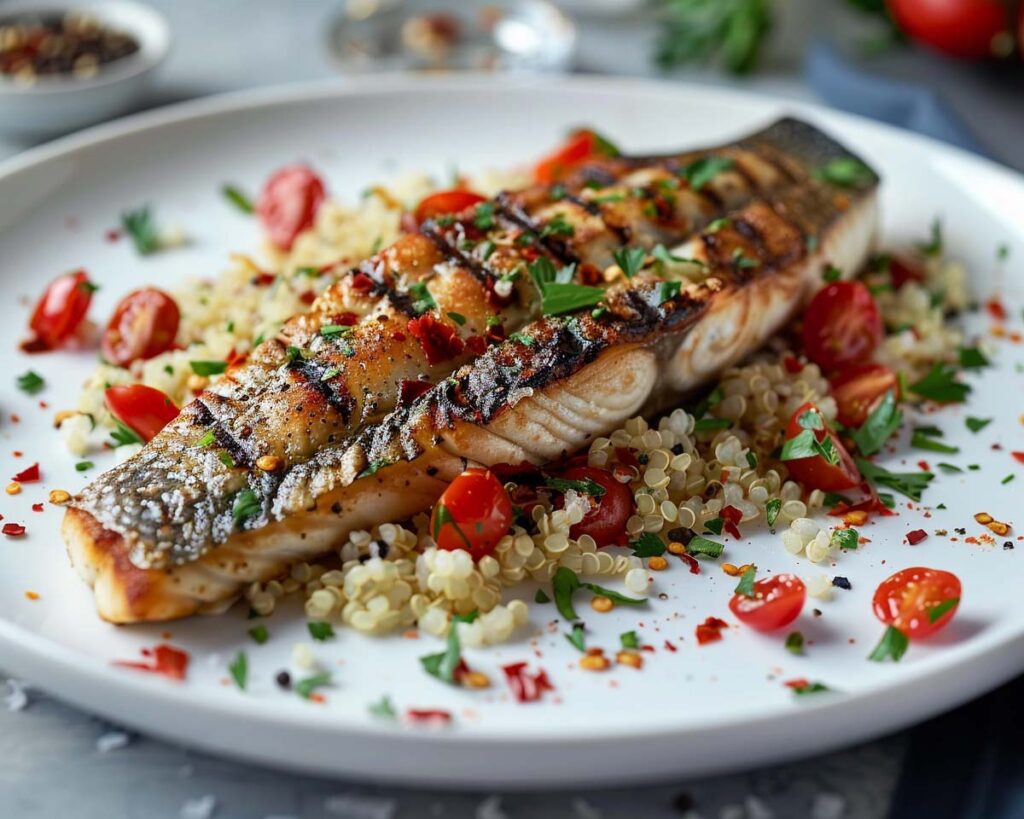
[164, 659]
[872, 505]
[477, 345]
[916, 536]
[439, 340]
[362, 283]
[345, 319]
[410, 390]
[923, 466]
[29, 475]
[15, 419]
[434, 716]
[37, 507]
[43, 405]
[1018, 456]
[398, 335]
[671, 647]
[690, 561]
[263, 279]
[307, 297]
[13, 529]
[526, 687]
[112, 235]
[731, 516]
[710, 630]
[496, 334]
[17, 453]
[798, 683]
[996, 309]
[792, 365]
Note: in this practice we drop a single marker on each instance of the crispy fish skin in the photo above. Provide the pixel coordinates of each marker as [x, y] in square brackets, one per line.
[576, 378]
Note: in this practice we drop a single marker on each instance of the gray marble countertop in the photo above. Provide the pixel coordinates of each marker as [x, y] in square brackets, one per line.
[61, 762]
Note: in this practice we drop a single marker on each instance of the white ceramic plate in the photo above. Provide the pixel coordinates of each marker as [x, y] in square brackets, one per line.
[690, 711]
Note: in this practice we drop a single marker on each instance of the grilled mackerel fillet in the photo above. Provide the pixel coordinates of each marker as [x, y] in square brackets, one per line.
[156, 536]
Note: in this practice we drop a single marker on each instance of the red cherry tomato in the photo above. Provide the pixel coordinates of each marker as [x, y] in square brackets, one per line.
[445, 202]
[902, 271]
[906, 600]
[815, 471]
[842, 325]
[606, 520]
[777, 602]
[961, 28]
[474, 513]
[144, 325]
[288, 204]
[61, 308]
[144, 409]
[580, 147]
[858, 390]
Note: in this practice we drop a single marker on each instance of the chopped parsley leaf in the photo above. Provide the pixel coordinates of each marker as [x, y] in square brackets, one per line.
[577, 637]
[933, 247]
[247, 504]
[935, 612]
[718, 224]
[911, 484]
[421, 298]
[82, 466]
[334, 330]
[647, 545]
[972, 358]
[239, 669]
[585, 487]
[701, 171]
[702, 546]
[669, 290]
[940, 384]
[892, 646]
[30, 382]
[320, 631]
[846, 172]
[705, 424]
[630, 260]
[444, 664]
[806, 445]
[923, 438]
[949, 469]
[305, 687]
[629, 639]
[566, 583]
[742, 261]
[832, 274]
[259, 634]
[977, 424]
[771, 510]
[123, 434]
[746, 585]
[558, 226]
[458, 318]
[845, 538]
[484, 216]
[235, 196]
[138, 224]
[795, 643]
[541, 597]
[383, 708]
[208, 367]
[330, 373]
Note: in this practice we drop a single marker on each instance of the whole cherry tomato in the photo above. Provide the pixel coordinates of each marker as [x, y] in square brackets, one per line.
[917, 601]
[842, 325]
[816, 470]
[605, 521]
[443, 203]
[474, 513]
[144, 325]
[145, 410]
[859, 389]
[289, 203]
[961, 28]
[776, 602]
[61, 309]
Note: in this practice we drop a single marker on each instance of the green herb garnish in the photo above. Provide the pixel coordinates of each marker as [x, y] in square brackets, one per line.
[977, 424]
[933, 247]
[883, 421]
[795, 643]
[892, 646]
[911, 484]
[305, 687]
[771, 510]
[846, 172]
[259, 634]
[702, 546]
[746, 585]
[82, 466]
[208, 367]
[845, 538]
[586, 487]
[320, 631]
[239, 670]
[940, 384]
[138, 224]
[444, 664]
[701, 171]
[629, 639]
[924, 438]
[383, 708]
[421, 298]
[30, 382]
[630, 260]
[935, 612]
[972, 358]
[235, 196]
[647, 545]
[247, 504]
[123, 434]
[577, 637]
[566, 583]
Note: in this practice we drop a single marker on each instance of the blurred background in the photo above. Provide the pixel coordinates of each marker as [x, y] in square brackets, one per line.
[951, 69]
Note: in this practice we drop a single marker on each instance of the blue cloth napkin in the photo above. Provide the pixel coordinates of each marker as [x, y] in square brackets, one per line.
[915, 107]
[969, 763]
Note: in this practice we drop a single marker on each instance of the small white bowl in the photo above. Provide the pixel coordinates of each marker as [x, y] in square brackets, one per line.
[54, 105]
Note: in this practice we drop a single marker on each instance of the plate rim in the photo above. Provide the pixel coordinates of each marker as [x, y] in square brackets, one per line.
[27, 649]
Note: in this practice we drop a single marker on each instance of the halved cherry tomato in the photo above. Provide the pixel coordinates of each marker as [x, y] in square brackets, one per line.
[581, 146]
[777, 602]
[144, 409]
[474, 513]
[288, 204]
[962, 28]
[902, 271]
[815, 471]
[906, 599]
[144, 325]
[842, 325]
[445, 202]
[858, 390]
[605, 521]
[61, 308]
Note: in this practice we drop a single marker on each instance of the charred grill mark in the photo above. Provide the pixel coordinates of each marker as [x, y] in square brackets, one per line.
[749, 231]
[203, 417]
[515, 214]
[312, 373]
[453, 253]
[622, 232]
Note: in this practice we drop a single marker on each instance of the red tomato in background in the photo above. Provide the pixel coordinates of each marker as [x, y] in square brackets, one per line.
[61, 309]
[777, 602]
[144, 325]
[474, 513]
[858, 390]
[606, 520]
[842, 325]
[144, 409]
[815, 472]
[445, 202]
[288, 204]
[902, 271]
[580, 147]
[961, 28]
[905, 599]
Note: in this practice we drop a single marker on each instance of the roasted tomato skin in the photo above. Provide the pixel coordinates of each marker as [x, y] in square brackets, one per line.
[904, 599]
[473, 513]
[61, 309]
[143, 409]
[859, 389]
[842, 325]
[777, 602]
[289, 203]
[816, 472]
[606, 520]
[144, 324]
[578, 148]
[443, 203]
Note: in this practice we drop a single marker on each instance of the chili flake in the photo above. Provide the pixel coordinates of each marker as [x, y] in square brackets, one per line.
[163, 659]
[29, 475]
[432, 716]
[526, 687]
[916, 536]
[710, 630]
[440, 341]
[13, 529]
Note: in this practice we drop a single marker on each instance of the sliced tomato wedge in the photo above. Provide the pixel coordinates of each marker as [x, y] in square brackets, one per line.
[816, 471]
[581, 146]
[917, 601]
[474, 513]
[289, 203]
[61, 309]
[606, 519]
[144, 325]
[859, 389]
[776, 602]
[443, 203]
[145, 410]
[842, 325]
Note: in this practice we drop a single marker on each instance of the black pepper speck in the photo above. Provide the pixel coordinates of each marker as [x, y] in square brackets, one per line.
[283, 679]
[841, 583]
